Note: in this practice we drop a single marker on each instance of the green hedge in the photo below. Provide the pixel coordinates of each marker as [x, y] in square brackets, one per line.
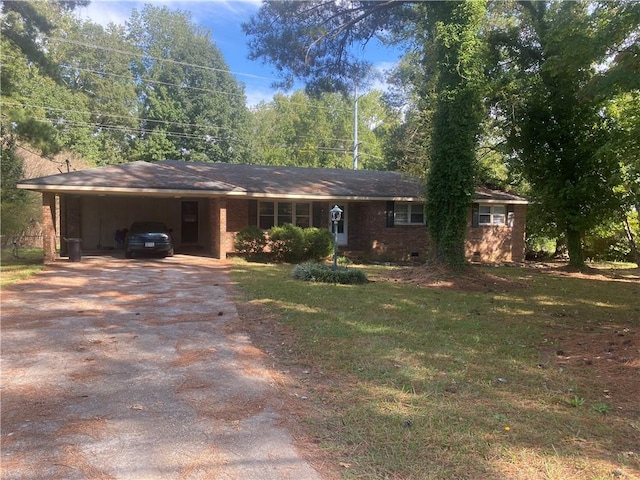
[286, 243]
[250, 241]
[318, 272]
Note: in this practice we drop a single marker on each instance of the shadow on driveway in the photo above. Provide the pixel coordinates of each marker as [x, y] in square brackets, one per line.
[121, 369]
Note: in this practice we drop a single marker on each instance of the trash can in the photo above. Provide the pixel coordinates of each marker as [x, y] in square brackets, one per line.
[73, 246]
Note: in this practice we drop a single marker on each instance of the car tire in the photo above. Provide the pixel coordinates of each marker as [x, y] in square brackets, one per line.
[170, 252]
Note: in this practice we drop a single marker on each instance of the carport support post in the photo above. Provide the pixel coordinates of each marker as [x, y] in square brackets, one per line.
[219, 227]
[49, 236]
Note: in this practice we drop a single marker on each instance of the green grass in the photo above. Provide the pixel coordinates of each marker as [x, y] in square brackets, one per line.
[28, 262]
[423, 383]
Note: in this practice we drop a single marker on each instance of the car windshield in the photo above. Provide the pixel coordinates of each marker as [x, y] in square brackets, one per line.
[148, 227]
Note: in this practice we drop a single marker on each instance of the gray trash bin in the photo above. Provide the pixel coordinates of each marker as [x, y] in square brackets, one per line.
[73, 246]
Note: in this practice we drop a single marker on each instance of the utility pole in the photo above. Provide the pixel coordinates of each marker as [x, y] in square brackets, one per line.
[355, 127]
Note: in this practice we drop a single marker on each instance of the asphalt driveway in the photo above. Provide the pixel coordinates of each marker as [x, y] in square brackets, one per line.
[136, 369]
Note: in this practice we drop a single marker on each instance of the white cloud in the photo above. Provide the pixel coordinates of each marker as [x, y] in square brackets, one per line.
[257, 95]
[104, 12]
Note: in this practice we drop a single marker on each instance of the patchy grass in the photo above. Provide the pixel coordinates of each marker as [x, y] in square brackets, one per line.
[407, 378]
[28, 262]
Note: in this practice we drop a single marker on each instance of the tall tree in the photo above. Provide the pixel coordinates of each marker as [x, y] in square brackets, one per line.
[95, 63]
[560, 62]
[193, 108]
[457, 59]
[29, 76]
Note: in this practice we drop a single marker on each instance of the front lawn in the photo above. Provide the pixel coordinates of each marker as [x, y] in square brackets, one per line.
[15, 266]
[506, 372]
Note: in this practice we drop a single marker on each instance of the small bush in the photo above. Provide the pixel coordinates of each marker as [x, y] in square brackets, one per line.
[286, 243]
[318, 272]
[318, 243]
[250, 241]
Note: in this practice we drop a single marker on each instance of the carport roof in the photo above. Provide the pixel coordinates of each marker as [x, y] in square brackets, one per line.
[178, 178]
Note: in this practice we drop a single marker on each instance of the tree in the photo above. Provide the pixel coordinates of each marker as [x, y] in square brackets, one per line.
[29, 76]
[623, 146]
[18, 208]
[95, 63]
[457, 62]
[315, 41]
[192, 107]
[301, 130]
[559, 63]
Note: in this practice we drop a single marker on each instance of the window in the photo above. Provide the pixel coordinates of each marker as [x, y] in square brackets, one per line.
[266, 215]
[409, 213]
[279, 213]
[492, 215]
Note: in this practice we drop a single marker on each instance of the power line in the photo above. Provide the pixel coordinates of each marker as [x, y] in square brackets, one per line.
[137, 119]
[158, 59]
[158, 82]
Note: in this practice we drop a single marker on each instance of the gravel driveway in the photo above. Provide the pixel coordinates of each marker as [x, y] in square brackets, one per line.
[135, 369]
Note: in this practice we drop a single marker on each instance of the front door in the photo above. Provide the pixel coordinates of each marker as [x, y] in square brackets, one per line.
[342, 226]
[189, 222]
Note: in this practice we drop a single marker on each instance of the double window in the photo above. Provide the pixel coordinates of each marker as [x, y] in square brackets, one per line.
[492, 215]
[408, 213]
[271, 214]
[485, 214]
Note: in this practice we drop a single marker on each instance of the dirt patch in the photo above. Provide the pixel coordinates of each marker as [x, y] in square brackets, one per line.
[608, 355]
[468, 279]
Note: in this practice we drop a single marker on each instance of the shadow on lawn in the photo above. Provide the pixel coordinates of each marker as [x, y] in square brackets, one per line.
[484, 370]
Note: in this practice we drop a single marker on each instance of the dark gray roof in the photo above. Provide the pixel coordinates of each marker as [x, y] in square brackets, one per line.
[178, 178]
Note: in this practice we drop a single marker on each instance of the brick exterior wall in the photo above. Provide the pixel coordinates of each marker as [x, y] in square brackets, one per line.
[369, 236]
[493, 244]
[368, 232]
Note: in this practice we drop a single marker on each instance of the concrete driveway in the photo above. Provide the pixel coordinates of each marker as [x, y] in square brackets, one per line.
[136, 369]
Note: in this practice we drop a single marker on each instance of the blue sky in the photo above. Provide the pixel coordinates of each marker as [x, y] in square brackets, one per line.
[223, 19]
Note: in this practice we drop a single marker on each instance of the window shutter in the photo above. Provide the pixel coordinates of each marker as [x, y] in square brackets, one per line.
[475, 215]
[390, 213]
[316, 209]
[253, 213]
[511, 215]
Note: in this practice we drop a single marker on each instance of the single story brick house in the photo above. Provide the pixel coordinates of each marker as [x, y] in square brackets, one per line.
[206, 204]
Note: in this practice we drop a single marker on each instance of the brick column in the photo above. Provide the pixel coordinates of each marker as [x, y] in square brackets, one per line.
[49, 226]
[222, 229]
[218, 218]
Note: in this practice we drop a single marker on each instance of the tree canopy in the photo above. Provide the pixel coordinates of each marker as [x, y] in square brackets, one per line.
[153, 89]
[559, 65]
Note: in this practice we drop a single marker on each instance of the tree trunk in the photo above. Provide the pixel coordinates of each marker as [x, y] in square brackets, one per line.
[632, 240]
[574, 247]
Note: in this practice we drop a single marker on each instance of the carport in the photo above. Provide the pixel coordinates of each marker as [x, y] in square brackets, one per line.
[94, 204]
[96, 219]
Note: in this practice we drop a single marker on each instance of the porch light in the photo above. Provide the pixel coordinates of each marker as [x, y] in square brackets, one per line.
[336, 215]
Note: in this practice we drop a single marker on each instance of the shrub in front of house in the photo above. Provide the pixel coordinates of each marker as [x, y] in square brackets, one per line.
[319, 272]
[318, 243]
[250, 242]
[286, 243]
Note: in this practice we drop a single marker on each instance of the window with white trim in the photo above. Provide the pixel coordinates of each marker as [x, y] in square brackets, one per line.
[278, 213]
[492, 215]
[408, 213]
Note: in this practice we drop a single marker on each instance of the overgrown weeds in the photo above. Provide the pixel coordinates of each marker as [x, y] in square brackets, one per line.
[440, 382]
